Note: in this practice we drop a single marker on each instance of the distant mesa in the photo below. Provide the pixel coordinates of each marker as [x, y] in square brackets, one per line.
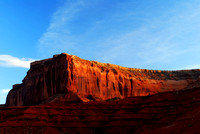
[68, 78]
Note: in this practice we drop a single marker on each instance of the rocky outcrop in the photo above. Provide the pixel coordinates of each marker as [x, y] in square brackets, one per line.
[67, 78]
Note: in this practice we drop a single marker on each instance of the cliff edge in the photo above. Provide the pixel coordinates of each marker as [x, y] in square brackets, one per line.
[68, 78]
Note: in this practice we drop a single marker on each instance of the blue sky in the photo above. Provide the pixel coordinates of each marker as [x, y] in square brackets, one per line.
[150, 34]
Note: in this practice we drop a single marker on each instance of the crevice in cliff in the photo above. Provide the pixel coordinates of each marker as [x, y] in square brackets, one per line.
[114, 86]
[126, 91]
[98, 86]
[107, 79]
[90, 97]
[120, 88]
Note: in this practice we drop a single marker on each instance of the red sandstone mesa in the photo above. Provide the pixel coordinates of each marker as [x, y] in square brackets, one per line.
[68, 78]
[57, 82]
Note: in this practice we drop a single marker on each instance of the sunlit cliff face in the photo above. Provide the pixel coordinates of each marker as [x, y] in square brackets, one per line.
[66, 74]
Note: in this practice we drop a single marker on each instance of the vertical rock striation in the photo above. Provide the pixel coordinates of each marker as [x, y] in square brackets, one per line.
[66, 78]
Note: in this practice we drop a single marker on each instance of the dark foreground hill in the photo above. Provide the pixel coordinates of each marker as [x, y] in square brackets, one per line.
[169, 112]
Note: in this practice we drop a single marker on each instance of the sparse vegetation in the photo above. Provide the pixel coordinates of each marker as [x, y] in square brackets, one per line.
[113, 99]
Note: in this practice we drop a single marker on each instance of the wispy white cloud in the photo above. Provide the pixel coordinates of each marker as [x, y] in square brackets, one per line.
[162, 40]
[58, 37]
[3, 95]
[10, 61]
[197, 66]
[133, 38]
[4, 91]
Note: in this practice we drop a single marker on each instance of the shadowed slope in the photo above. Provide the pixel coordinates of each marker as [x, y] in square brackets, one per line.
[169, 112]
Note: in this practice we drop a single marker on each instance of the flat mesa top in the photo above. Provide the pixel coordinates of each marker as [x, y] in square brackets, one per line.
[109, 65]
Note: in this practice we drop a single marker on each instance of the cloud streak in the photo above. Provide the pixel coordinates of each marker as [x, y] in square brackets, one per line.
[57, 36]
[149, 36]
[163, 40]
[193, 67]
[3, 95]
[4, 91]
[10, 61]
